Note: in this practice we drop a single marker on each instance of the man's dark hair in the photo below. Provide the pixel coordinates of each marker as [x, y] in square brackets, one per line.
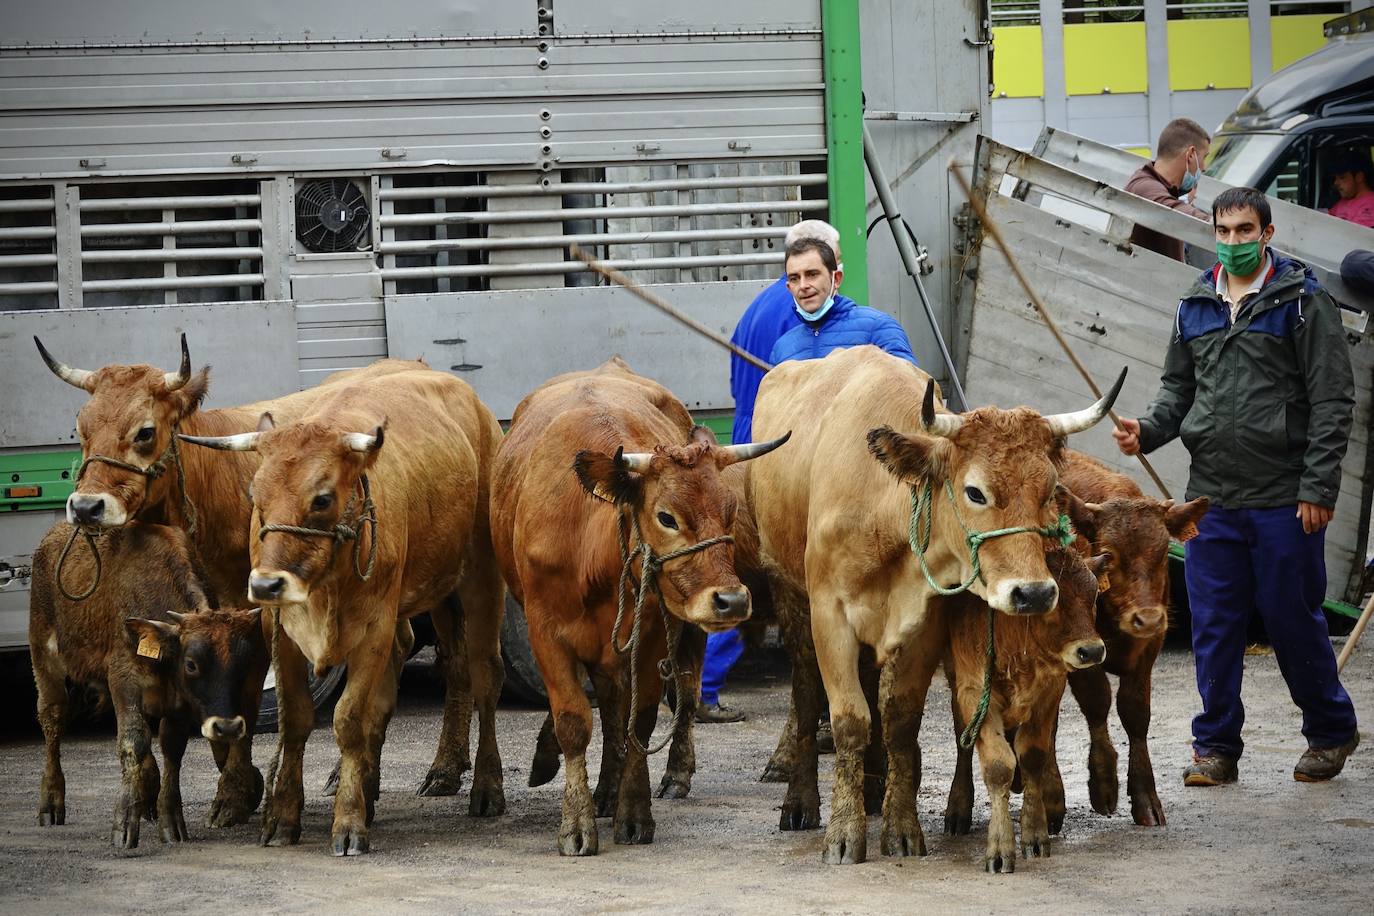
[801, 246]
[1178, 135]
[1352, 162]
[1233, 199]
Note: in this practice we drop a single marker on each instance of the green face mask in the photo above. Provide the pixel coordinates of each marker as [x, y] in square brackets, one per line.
[1241, 259]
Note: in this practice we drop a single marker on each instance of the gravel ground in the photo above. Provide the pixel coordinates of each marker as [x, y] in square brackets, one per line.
[1267, 844]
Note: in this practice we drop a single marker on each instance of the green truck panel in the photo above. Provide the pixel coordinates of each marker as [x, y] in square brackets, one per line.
[37, 480]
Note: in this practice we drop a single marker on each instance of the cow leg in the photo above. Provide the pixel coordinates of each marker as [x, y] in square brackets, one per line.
[1133, 705]
[51, 682]
[483, 594]
[610, 702]
[999, 766]
[1053, 786]
[875, 757]
[682, 752]
[906, 680]
[172, 736]
[1093, 692]
[360, 722]
[547, 757]
[1034, 750]
[135, 747]
[634, 819]
[779, 768]
[445, 776]
[801, 807]
[837, 651]
[959, 806]
[240, 783]
[281, 816]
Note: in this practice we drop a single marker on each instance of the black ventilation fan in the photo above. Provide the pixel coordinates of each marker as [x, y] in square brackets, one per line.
[331, 215]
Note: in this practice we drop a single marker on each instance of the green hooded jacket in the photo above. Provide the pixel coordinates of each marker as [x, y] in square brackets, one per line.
[1263, 405]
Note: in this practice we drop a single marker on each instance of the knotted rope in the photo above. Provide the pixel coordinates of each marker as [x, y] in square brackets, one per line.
[343, 532]
[918, 535]
[651, 565]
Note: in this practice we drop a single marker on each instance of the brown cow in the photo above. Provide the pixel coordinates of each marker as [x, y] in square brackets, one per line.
[586, 452]
[147, 638]
[131, 417]
[331, 507]
[1113, 516]
[834, 525]
[1032, 660]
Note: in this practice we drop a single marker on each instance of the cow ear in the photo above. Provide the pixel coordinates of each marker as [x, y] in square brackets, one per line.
[190, 395]
[1182, 520]
[1082, 514]
[151, 640]
[908, 458]
[703, 434]
[607, 477]
[266, 422]
[1098, 566]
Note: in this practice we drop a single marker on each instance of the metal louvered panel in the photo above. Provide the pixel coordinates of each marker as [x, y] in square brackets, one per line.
[28, 250]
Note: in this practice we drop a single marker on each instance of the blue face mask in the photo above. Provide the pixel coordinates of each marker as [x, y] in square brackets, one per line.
[1190, 179]
[816, 315]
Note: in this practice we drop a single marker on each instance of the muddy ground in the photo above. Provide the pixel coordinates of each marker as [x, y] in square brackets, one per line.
[1267, 844]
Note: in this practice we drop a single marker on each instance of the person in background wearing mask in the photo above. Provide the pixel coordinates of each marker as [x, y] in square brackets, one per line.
[1350, 176]
[1171, 180]
[1257, 383]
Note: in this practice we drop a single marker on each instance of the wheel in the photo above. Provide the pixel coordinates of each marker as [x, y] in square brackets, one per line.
[323, 692]
[522, 674]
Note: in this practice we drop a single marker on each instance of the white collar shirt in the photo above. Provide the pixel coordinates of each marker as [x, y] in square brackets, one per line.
[1224, 287]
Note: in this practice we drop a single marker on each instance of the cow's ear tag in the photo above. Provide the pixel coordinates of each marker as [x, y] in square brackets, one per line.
[1188, 533]
[603, 493]
[149, 646]
[1103, 583]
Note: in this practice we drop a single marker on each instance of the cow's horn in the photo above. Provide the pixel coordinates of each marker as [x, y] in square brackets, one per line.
[747, 450]
[635, 461]
[1064, 424]
[240, 442]
[77, 378]
[175, 380]
[365, 442]
[943, 425]
[176, 618]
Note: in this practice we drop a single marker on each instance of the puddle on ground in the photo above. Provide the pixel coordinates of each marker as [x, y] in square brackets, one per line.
[1353, 822]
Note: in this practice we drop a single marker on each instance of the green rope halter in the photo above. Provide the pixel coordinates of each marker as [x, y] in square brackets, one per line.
[918, 535]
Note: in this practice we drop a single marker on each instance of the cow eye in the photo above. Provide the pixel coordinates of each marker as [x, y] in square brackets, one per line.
[975, 496]
[667, 521]
[322, 502]
[191, 667]
[144, 435]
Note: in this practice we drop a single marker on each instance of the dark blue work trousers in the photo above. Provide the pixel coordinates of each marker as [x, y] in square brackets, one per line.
[1247, 560]
[722, 651]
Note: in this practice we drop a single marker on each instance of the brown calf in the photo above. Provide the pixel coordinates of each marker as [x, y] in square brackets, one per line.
[1032, 659]
[1112, 516]
[148, 639]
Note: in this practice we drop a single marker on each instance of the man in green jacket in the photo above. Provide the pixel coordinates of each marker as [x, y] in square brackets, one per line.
[1257, 383]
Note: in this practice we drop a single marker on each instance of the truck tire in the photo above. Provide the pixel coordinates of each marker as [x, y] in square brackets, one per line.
[323, 692]
[523, 682]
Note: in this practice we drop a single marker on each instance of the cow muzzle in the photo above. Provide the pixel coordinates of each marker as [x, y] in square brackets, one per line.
[95, 510]
[1144, 622]
[731, 605]
[218, 728]
[1084, 653]
[272, 586]
[1022, 596]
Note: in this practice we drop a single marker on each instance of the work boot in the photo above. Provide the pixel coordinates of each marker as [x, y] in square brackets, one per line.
[718, 712]
[1318, 764]
[1210, 770]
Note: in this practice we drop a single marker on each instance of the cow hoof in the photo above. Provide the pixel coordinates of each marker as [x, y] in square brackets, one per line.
[846, 843]
[350, 843]
[800, 815]
[674, 786]
[1038, 848]
[52, 814]
[958, 823]
[170, 821]
[543, 769]
[603, 802]
[489, 801]
[277, 831]
[776, 772]
[634, 831]
[1103, 787]
[124, 835]
[903, 840]
[578, 842]
[438, 783]
[1055, 819]
[1004, 865]
[331, 782]
[1147, 810]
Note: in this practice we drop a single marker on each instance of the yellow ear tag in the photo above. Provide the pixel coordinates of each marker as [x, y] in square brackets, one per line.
[149, 646]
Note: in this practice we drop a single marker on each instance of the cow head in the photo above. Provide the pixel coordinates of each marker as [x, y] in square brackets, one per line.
[1079, 644]
[310, 476]
[130, 417]
[214, 662]
[1002, 468]
[679, 500]
[1136, 533]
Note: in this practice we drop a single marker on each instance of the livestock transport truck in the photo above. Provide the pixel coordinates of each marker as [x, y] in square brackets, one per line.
[308, 187]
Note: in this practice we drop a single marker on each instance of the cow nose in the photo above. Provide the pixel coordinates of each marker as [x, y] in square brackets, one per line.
[1034, 597]
[1092, 653]
[266, 588]
[732, 605]
[227, 729]
[85, 510]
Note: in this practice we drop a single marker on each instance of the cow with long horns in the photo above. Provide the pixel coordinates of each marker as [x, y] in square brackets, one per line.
[600, 468]
[347, 538]
[953, 502]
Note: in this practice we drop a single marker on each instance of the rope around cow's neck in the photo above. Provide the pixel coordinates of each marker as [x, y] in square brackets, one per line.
[918, 535]
[343, 532]
[152, 472]
[650, 566]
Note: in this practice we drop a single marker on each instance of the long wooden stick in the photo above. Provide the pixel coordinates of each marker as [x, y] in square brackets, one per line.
[659, 303]
[996, 234]
[1355, 634]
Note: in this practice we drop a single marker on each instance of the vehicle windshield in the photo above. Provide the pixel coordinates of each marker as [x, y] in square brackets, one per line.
[1239, 159]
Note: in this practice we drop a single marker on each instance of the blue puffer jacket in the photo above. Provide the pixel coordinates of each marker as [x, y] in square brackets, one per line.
[847, 324]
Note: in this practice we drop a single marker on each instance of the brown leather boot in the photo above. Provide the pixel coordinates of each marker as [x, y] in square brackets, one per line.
[1211, 770]
[1318, 764]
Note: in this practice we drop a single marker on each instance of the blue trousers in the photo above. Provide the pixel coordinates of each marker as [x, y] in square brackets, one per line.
[1248, 560]
[722, 651]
